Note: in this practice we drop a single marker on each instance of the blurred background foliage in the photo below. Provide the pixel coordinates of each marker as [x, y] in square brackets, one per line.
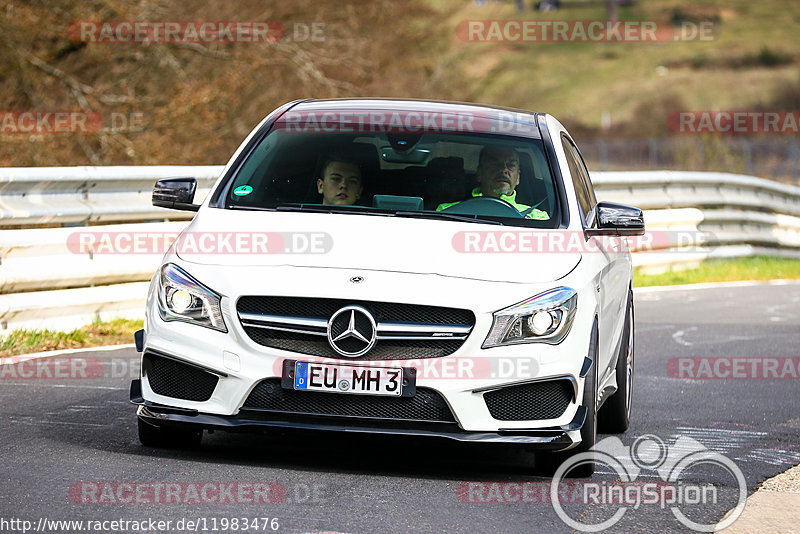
[194, 103]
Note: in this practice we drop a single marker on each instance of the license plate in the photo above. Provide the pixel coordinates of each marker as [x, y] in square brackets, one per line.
[348, 379]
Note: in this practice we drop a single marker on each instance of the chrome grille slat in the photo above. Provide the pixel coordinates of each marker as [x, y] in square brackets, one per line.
[401, 330]
[385, 330]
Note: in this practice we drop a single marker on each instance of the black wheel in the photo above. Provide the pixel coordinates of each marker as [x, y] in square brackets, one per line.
[168, 438]
[615, 415]
[551, 461]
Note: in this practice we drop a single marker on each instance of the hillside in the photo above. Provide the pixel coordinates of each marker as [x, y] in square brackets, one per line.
[192, 103]
[751, 62]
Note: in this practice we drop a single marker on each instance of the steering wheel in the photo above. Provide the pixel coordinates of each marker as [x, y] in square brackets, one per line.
[496, 207]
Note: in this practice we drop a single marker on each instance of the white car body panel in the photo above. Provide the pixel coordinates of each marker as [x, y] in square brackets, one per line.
[393, 244]
[409, 261]
[258, 362]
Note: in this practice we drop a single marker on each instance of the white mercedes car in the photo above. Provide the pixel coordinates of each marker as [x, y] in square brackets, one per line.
[394, 266]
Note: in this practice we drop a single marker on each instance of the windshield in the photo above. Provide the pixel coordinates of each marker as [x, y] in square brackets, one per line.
[437, 175]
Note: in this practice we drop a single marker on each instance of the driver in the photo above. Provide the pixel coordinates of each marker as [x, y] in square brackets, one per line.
[498, 177]
[340, 182]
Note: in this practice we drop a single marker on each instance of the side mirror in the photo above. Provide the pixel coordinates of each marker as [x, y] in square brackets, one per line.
[176, 194]
[617, 219]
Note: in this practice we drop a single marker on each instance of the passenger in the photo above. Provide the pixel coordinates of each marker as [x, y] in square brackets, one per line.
[340, 181]
[498, 176]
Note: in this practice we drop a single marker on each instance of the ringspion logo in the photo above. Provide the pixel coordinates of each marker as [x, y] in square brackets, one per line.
[677, 491]
[568, 492]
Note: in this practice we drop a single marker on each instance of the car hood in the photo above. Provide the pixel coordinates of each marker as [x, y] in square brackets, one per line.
[371, 243]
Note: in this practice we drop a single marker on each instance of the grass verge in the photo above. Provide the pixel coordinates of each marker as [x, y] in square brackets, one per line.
[99, 333]
[754, 268]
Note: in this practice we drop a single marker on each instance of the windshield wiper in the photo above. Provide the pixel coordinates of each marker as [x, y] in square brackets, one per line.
[326, 208]
[323, 208]
[450, 216]
[250, 208]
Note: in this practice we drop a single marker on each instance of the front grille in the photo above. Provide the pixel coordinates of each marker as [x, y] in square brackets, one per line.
[383, 350]
[383, 311]
[317, 345]
[536, 400]
[178, 380]
[426, 405]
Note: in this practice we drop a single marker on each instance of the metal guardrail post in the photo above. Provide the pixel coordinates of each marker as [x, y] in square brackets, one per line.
[794, 156]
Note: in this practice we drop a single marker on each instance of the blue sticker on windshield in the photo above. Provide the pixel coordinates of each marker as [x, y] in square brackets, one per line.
[242, 190]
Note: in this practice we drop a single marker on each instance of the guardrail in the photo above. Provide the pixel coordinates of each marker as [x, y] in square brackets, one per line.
[712, 190]
[43, 282]
[38, 196]
[735, 215]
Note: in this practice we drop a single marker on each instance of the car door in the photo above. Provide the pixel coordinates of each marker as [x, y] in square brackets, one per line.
[615, 267]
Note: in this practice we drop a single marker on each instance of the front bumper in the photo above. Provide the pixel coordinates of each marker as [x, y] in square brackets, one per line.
[552, 438]
[463, 380]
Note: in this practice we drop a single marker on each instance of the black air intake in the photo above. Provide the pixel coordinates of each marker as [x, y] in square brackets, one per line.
[427, 405]
[178, 380]
[537, 400]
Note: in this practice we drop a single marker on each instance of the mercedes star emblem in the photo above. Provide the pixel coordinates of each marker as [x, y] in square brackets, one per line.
[352, 331]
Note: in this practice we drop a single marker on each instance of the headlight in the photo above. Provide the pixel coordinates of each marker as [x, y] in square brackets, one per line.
[545, 318]
[182, 298]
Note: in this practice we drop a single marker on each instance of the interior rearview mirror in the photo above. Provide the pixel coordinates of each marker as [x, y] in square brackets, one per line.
[416, 156]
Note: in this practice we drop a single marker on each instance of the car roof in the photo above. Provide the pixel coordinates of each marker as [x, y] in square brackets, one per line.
[402, 104]
[507, 120]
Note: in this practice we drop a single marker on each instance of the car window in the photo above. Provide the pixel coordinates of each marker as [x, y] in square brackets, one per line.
[577, 171]
[584, 175]
[431, 172]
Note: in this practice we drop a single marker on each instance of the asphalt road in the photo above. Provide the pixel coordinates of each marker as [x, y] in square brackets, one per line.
[68, 446]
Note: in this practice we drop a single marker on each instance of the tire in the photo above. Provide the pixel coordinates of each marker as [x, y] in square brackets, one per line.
[168, 438]
[615, 415]
[551, 461]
